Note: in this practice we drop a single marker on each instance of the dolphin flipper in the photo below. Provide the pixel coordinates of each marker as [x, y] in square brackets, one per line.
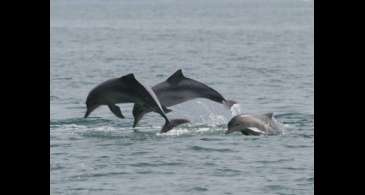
[244, 132]
[116, 110]
[252, 131]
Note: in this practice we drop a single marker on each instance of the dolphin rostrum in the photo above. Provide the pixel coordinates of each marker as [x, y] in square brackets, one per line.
[254, 124]
[178, 89]
[127, 89]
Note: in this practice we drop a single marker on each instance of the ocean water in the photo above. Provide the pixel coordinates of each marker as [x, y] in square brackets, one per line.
[257, 52]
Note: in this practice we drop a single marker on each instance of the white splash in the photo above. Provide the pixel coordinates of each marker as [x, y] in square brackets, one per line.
[183, 131]
[236, 109]
[203, 129]
[215, 119]
[174, 132]
[105, 128]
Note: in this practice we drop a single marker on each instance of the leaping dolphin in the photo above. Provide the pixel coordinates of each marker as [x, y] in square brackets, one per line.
[127, 89]
[254, 124]
[178, 89]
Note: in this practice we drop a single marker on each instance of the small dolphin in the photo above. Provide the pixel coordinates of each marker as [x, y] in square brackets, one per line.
[178, 89]
[127, 89]
[254, 124]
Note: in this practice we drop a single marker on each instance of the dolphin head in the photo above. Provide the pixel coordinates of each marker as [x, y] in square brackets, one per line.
[236, 124]
[91, 104]
[247, 125]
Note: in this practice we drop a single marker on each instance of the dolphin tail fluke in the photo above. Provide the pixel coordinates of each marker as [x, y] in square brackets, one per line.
[229, 103]
[166, 110]
[135, 122]
[172, 124]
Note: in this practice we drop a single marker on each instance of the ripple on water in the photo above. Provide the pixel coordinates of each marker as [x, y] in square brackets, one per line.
[198, 189]
[298, 146]
[157, 164]
[294, 168]
[53, 97]
[211, 139]
[273, 161]
[206, 149]
[84, 177]
[272, 187]
[305, 136]
[139, 153]
[80, 121]
[88, 190]
[55, 167]
[227, 172]
[102, 135]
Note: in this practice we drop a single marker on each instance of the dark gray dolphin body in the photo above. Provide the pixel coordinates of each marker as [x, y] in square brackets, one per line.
[127, 89]
[178, 89]
[254, 124]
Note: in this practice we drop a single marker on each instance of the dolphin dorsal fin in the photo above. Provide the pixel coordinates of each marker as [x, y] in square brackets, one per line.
[176, 77]
[128, 77]
[269, 115]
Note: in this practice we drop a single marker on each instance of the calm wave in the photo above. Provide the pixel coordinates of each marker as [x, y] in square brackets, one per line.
[257, 52]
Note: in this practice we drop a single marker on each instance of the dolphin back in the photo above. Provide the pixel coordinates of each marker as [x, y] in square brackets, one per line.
[198, 88]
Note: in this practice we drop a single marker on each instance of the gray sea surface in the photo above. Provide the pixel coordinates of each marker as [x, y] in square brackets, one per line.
[257, 52]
